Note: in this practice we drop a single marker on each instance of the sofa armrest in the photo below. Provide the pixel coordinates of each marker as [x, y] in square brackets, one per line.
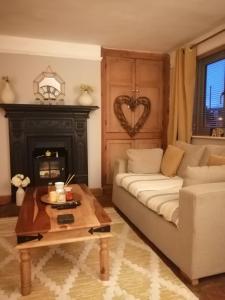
[120, 166]
[202, 204]
[202, 228]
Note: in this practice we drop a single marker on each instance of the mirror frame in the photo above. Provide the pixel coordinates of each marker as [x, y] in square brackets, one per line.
[36, 87]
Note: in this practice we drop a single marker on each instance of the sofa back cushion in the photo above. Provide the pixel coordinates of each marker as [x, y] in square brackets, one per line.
[211, 150]
[171, 160]
[192, 156]
[144, 160]
[216, 160]
[204, 174]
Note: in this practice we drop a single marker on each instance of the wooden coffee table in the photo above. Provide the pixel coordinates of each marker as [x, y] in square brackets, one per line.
[37, 219]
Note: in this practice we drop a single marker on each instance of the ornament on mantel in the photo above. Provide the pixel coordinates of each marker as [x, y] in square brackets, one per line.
[7, 94]
[85, 98]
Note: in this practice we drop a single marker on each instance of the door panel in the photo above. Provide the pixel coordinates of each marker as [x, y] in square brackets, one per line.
[154, 121]
[149, 75]
[120, 70]
[113, 124]
[120, 81]
[115, 149]
[147, 144]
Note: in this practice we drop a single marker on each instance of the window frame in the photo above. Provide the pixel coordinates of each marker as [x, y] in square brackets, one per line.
[198, 124]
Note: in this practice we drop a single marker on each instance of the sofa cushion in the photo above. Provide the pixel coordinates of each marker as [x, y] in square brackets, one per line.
[216, 160]
[210, 150]
[144, 160]
[171, 160]
[165, 204]
[204, 174]
[192, 156]
[156, 191]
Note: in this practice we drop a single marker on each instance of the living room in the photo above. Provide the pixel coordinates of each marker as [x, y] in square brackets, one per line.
[143, 67]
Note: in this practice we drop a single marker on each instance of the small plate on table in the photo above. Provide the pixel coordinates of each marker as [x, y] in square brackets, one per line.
[45, 198]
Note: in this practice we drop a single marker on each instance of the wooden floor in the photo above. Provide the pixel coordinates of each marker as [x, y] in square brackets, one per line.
[209, 288]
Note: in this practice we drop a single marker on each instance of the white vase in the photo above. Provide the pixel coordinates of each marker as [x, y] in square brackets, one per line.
[85, 99]
[20, 193]
[7, 95]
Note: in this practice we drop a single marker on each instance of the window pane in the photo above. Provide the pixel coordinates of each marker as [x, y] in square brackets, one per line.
[214, 94]
[215, 75]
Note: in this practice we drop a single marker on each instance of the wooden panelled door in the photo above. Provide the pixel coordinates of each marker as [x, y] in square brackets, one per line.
[132, 74]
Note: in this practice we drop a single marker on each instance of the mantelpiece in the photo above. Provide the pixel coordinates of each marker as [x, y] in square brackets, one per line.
[49, 126]
[35, 108]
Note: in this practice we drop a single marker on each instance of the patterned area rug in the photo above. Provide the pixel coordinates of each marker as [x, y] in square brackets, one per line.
[70, 271]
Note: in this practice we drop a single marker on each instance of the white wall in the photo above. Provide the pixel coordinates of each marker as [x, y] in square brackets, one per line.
[22, 70]
[212, 43]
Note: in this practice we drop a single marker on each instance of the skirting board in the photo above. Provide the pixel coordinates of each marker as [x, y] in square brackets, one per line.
[5, 199]
[97, 192]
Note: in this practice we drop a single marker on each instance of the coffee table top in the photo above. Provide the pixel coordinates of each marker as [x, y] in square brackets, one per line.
[37, 217]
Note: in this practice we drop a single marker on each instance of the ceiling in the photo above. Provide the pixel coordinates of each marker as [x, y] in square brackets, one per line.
[148, 25]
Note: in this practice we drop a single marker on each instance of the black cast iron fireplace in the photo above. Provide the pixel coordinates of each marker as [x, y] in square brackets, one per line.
[36, 130]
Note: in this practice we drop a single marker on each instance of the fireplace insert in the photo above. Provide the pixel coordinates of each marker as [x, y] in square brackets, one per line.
[50, 165]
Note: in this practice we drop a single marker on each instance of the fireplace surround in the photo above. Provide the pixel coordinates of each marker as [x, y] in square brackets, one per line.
[61, 129]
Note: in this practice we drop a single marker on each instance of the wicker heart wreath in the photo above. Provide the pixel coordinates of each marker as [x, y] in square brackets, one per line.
[132, 104]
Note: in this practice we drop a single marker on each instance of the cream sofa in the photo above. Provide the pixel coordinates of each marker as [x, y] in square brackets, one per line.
[195, 242]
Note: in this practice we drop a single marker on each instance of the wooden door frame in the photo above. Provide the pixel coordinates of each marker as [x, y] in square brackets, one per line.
[103, 108]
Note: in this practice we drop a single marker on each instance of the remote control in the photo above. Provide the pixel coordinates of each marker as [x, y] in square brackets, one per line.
[65, 219]
[65, 205]
[77, 202]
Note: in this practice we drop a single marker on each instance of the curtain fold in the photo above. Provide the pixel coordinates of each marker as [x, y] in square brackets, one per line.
[182, 96]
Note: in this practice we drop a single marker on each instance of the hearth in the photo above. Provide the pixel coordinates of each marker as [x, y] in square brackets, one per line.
[37, 130]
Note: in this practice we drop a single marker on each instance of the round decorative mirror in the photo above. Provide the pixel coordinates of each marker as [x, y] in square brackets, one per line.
[49, 88]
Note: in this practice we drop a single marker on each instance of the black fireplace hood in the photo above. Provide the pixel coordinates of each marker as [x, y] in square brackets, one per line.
[49, 126]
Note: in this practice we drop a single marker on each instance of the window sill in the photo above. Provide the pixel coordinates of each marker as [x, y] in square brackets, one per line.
[207, 139]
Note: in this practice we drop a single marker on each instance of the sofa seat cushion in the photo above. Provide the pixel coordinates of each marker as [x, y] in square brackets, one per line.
[156, 191]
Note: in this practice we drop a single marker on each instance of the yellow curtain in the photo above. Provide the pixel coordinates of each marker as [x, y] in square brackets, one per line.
[182, 96]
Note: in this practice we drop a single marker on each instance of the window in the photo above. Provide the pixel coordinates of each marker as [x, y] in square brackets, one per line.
[209, 110]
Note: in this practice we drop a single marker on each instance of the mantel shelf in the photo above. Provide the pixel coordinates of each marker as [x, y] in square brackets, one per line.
[31, 108]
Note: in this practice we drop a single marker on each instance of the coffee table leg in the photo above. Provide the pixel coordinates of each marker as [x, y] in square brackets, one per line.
[25, 272]
[104, 259]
